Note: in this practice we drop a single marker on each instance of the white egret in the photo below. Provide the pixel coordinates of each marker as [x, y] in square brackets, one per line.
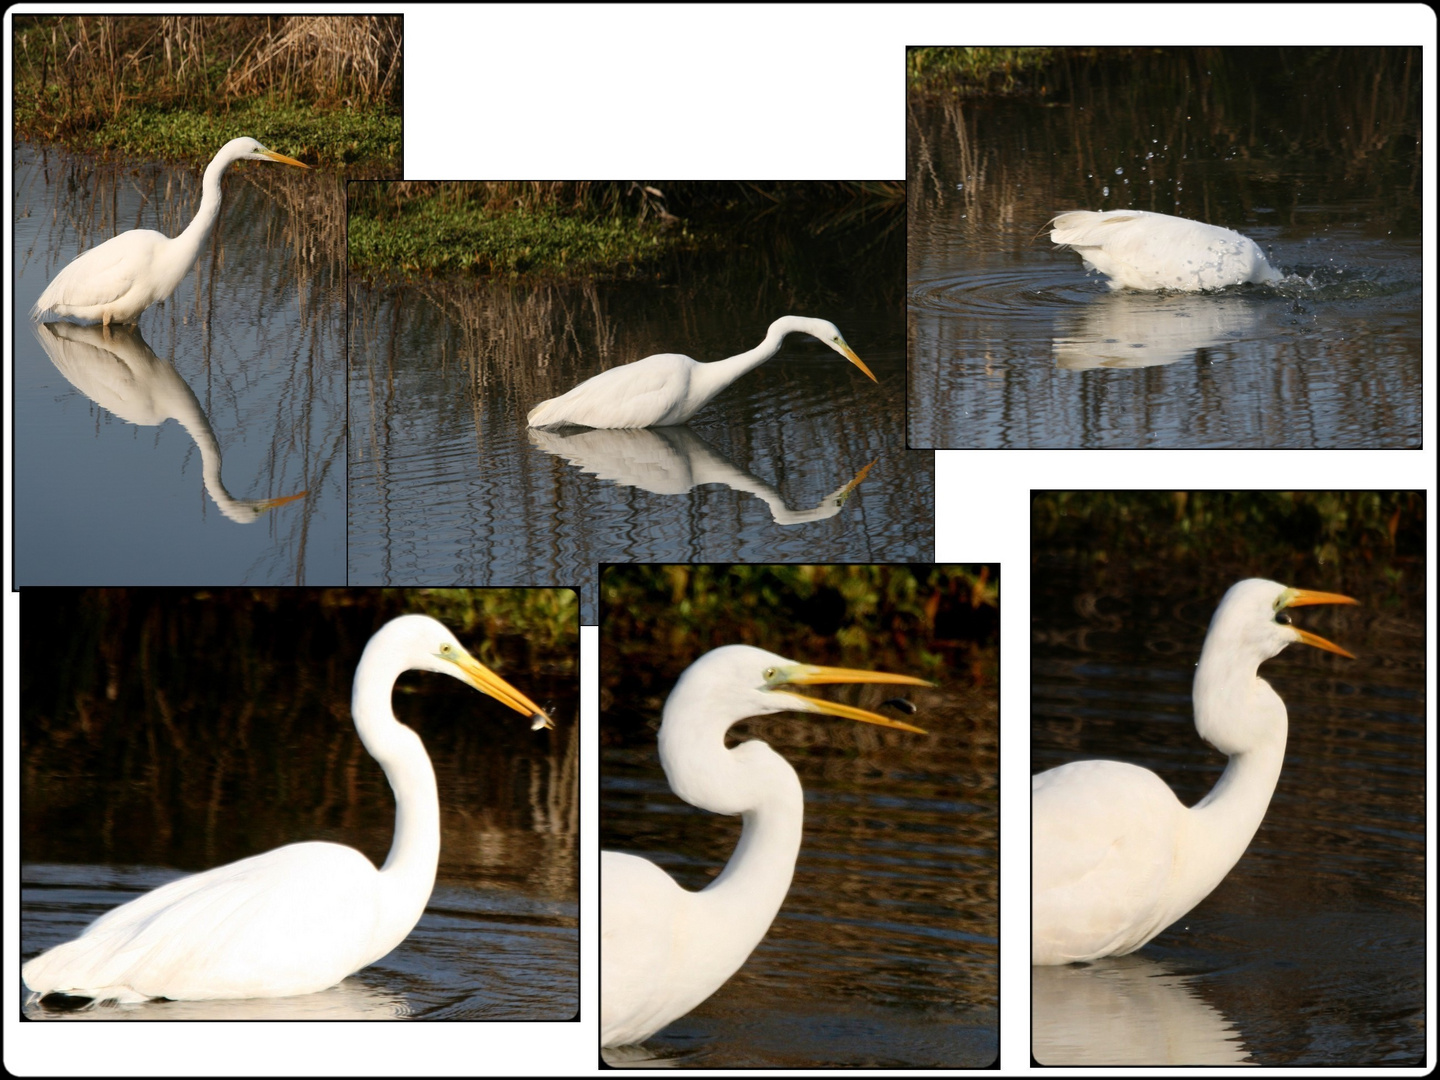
[669, 388]
[117, 280]
[1137, 249]
[302, 917]
[1115, 856]
[663, 950]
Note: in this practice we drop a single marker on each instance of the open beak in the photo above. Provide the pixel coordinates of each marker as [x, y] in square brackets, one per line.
[487, 682]
[810, 675]
[1303, 597]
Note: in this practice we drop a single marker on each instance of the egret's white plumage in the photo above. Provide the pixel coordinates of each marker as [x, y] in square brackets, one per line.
[302, 917]
[1137, 249]
[1116, 858]
[117, 280]
[663, 949]
[669, 388]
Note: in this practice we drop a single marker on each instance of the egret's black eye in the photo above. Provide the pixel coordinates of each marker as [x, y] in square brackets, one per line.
[1283, 618]
[900, 704]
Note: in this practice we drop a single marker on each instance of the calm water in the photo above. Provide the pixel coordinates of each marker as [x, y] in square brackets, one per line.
[1014, 345]
[246, 358]
[185, 766]
[1312, 951]
[448, 485]
[885, 950]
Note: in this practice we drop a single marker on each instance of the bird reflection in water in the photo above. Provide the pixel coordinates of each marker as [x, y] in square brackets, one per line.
[115, 368]
[673, 461]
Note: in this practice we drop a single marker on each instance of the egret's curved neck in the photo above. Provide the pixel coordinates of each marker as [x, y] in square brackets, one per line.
[416, 848]
[195, 234]
[764, 859]
[758, 784]
[1238, 713]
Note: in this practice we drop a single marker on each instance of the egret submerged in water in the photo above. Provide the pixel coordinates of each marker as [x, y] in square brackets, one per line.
[1137, 249]
[302, 917]
[669, 388]
[663, 949]
[1115, 856]
[117, 280]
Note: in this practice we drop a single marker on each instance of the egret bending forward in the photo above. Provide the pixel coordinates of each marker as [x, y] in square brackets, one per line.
[1116, 858]
[1137, 249]
[302, 917]
[117, 280]
[663, 950]
[669, 388]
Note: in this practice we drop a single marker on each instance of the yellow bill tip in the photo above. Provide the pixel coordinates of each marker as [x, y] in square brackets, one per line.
[492, 685]
[273, 156]
[850, 355]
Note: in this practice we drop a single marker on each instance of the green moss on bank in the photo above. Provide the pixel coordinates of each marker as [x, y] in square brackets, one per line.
[977, 71]
[324, 89]
[430, 238]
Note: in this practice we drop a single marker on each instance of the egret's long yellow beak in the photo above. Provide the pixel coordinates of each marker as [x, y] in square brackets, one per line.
[487, 682]
[273, 156]
[1302, 597]
[849, 354]
[810, 675]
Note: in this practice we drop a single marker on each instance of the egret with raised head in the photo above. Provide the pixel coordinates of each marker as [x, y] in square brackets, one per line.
[117, 280]
[664, 949]
[302, 917]
[1115, 856]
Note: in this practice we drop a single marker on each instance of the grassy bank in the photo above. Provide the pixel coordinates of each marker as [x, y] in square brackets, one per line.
[569, 229]
[859, 615]
[977, 71]
[445, 229]
[325, 89]
[1369, 541]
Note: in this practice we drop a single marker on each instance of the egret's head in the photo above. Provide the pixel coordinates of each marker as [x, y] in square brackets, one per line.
[250, 149]
[425, 645]
[736, 681]
[825, 331]
[1253, 622]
